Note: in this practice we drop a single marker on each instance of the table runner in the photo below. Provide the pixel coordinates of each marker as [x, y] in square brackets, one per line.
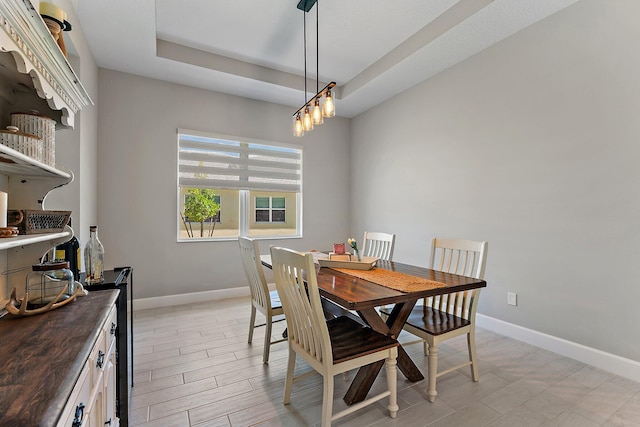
[393, 279]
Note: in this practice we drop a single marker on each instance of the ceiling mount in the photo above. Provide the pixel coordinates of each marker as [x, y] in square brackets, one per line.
[306, 5]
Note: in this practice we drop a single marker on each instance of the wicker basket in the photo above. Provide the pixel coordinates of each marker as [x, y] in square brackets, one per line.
[38, 222]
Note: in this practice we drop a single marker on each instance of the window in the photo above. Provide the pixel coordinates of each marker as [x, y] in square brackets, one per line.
[256, 186]
[270, 209]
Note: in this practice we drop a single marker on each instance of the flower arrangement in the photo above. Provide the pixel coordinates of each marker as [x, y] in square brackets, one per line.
[354, 246]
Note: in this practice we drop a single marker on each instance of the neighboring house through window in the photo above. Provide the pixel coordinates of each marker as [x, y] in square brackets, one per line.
[271, 209]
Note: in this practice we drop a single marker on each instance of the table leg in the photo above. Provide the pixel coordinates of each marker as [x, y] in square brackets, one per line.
[362, 383]
[366, 375]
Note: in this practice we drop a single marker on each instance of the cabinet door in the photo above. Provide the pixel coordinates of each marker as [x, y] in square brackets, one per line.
[95, 413]
[110, 419]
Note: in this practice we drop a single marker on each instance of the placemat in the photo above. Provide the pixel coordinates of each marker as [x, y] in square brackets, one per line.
[393, 279]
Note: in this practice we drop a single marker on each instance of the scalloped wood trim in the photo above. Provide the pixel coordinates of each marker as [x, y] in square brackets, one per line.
[24, 35]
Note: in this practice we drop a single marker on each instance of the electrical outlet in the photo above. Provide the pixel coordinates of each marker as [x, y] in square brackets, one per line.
[512, 298]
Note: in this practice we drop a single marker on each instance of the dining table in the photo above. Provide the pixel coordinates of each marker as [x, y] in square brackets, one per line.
[388, 283]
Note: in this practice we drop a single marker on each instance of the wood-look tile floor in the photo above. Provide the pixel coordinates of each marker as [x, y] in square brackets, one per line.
[193, 367]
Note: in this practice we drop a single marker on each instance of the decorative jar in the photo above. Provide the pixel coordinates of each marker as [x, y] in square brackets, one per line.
[49, 281]
[44, 128]
[25, 143]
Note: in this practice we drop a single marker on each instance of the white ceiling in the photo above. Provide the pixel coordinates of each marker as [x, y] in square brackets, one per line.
[372, 49]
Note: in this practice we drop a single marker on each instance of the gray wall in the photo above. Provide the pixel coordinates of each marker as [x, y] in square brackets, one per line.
[138, 119]
[533, 146]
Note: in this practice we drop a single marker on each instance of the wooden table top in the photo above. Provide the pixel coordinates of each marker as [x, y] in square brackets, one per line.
[356, 294]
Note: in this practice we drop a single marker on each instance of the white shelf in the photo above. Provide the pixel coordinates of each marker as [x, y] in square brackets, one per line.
[13, 162]
[29, 239]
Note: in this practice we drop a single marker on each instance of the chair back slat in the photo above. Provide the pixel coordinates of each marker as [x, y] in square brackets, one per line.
[462, 257]
[306, 325]
[458, 256]
[249, 253]
[379, 245]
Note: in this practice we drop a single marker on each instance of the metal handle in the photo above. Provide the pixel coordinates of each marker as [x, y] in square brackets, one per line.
[113, 328]
[77, 420]
[108, 423]
[100, 361]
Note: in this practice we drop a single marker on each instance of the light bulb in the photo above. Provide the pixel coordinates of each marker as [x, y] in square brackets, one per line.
[298, 129]
[328, 107]
[317, 113]
[307, 122]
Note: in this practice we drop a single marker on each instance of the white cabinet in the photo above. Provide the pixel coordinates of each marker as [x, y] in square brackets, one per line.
[92, 401]
[34, 75]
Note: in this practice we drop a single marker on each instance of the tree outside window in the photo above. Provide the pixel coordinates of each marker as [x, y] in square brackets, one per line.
[201, 205]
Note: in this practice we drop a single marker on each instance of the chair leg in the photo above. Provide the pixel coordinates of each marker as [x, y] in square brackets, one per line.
[327, 400]
[252, 323]
[473, 357]
[267, 339]
[392, 381]
[288, 382]
[433, 372]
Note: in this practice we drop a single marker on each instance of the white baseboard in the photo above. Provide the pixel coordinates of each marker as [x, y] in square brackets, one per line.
[193, 297]
[621, 366]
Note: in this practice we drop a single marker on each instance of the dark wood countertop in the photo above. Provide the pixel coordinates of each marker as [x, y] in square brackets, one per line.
[42, 356]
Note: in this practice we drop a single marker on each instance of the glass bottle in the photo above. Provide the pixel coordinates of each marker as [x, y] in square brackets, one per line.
[94, 258]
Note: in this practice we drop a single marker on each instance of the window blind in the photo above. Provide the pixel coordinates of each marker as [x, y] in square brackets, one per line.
[216, 162]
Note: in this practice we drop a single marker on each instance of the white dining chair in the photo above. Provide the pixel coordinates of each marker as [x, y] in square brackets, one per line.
[379, 245]
[329, 347]
[447, 316]
[262, 300]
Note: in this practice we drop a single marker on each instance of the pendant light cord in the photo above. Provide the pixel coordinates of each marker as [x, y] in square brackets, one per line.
[304, 14]
[317, 46]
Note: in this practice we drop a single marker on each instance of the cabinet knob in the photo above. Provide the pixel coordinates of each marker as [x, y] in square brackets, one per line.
[77, 420]
[100, 360]
[108, 423]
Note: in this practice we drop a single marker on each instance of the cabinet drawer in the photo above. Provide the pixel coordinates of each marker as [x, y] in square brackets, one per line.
[76, 409]
[111, 327]
[97, 359]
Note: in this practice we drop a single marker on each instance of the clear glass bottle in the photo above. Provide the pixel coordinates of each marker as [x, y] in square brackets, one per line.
[94, 258]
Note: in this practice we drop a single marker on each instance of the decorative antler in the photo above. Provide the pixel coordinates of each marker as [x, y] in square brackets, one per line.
[12, 305]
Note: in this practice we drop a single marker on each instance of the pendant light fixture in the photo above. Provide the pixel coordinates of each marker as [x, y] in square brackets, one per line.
[312, 112]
